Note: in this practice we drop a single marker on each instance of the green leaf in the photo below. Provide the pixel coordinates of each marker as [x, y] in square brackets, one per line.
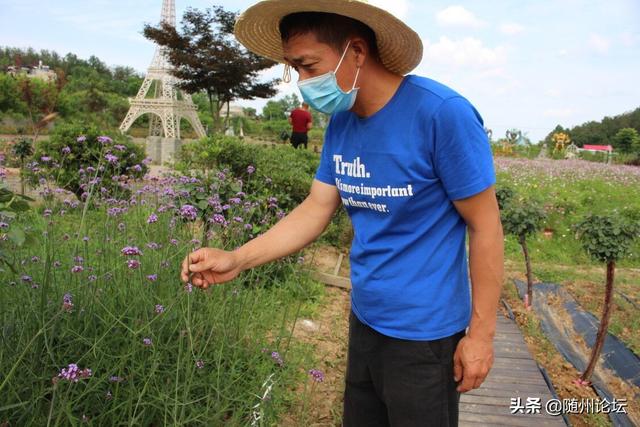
[17, 236]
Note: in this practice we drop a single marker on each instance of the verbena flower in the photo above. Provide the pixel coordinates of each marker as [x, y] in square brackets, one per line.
[152, 277]
[146, 341]
[159, 309]
[317, 375]
[277, 358]
[72, 373]
[152, 218]
[133, 264]
[189, 212]
[81, 138]
[104, 140]
[250, 169]
[131, 251]
[77, 269]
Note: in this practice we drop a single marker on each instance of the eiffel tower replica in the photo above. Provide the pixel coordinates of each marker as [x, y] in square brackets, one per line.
[165, 103]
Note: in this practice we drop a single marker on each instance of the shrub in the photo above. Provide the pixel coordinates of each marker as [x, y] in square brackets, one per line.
[76, 154]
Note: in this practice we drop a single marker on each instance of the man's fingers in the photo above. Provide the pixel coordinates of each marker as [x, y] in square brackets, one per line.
[468, 380]
[457, 367]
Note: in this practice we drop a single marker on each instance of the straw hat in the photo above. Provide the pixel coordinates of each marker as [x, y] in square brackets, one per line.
[399, 46]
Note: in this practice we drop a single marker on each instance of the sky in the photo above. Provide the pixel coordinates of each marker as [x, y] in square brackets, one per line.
[524, 64]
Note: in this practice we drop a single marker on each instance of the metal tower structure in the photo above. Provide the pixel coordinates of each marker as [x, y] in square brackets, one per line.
[166, 104]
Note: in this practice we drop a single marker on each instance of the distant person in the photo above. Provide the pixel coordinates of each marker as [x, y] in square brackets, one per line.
[301, 121]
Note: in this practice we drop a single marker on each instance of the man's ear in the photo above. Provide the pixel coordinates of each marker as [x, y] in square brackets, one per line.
[361, 49]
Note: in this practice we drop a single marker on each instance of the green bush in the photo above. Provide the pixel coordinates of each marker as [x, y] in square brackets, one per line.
[78, 156]
[281, 172]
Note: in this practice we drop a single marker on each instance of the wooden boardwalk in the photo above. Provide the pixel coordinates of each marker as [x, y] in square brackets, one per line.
[514, 375]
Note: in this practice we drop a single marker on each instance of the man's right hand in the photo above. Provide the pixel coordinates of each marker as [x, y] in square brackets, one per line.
[209, 266]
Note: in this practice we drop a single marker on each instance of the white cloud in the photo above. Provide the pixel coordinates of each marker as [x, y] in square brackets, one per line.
[469, 51]
[511, 28]
[398, 8]
[629, 39]
[458, 16]
[559, 113]
[599, 43]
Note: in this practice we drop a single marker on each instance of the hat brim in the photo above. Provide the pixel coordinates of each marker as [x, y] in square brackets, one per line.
[257, 28]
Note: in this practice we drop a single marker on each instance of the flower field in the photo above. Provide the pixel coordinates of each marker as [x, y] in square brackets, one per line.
[96, 325]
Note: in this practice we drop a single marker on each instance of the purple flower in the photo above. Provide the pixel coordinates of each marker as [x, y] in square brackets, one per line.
[189, 212]
[131, 251]
[133, 263]
[277, 358]
[238, 219]
[111, 158]
[235, 201]
[174, 242]
[27, 279]
[72, 373]
[152, 218]
[66, 150]
[104, 140]
[248, 226]
[318, 376]
[92, 278]
[35, 258]
[159, 309]
[45, 159]
[67, 303]
[153, 245]
[116, 379]
[146, 341]
[81, 138]
[4, 225]
[199, 364]
[152, 277]
[120, 147]
[218, 219]
[78, 259]
[77, 269]
[250, 169]
[188, 288]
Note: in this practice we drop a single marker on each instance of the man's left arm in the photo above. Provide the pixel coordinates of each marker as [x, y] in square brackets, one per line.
[474, 355]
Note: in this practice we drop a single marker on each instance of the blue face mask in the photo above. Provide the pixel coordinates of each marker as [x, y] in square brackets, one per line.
[324, 94]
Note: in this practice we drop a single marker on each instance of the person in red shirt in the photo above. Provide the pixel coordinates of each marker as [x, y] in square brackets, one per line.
[301, 121]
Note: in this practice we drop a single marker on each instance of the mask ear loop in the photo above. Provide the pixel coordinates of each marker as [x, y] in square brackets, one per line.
[356, 79]
[286, 76]
[343, 55]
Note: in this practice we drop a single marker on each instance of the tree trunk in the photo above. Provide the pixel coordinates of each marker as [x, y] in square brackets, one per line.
[215, 113]
[527, 261]
[604, 323]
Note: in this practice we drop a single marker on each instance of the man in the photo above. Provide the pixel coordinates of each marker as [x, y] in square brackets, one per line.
[410, 161]
[301, 123]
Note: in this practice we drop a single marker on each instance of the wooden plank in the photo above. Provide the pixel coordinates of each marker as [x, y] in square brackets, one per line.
[503, 420]
[331, 280]
[336, 270]
[485, 390]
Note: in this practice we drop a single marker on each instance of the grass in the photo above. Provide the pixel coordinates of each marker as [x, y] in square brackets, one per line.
[208, 353]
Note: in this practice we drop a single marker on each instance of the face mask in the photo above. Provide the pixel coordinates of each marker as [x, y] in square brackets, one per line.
[323, 93]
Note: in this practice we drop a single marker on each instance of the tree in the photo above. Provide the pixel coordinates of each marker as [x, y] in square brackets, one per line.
[607, 238]
[627, 140]
[522, 218]
[206, 57]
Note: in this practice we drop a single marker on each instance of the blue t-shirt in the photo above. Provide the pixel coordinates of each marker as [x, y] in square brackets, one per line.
[398, 172]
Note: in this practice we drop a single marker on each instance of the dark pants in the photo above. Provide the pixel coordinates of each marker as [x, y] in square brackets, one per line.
[299, 138]
[398, 383]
